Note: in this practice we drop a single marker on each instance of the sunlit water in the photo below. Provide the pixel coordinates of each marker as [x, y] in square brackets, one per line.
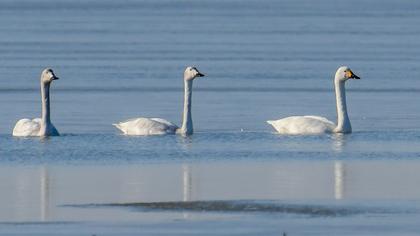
[234, 176]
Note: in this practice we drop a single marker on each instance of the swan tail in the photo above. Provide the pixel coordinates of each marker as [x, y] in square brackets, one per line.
[120, 127]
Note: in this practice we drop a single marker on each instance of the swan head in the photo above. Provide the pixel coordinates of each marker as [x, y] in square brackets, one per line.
[47, 76]
[191, 73]
[344, 73]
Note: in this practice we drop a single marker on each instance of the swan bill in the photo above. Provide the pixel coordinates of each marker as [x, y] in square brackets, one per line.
[351, 75]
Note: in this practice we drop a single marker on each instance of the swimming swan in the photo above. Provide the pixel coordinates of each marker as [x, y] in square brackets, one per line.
[158, 126]
[317, 124]
[39, 126]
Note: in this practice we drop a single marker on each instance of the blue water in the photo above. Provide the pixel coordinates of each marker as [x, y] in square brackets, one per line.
[263, 60]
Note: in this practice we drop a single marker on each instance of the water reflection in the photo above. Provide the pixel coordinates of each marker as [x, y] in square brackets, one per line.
[339, 142]
[185, 142]
[339, 180]
[45, 191]
[187, 186]
[187, 176]
[338, 145]
[30, 196]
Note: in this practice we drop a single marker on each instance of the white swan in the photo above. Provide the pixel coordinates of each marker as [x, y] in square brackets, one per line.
[158, 126]
[39, 126]
[317, 124]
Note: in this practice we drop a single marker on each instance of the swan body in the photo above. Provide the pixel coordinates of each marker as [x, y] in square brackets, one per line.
[303, 125]
[39, 126]
[158, 126]
[146, 126]
[317, 124]
[26, 127]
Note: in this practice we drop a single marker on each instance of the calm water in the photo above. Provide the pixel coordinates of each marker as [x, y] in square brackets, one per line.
[234, 176]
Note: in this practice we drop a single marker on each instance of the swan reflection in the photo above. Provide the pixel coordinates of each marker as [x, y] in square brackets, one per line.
[45, 196]
[339, 178]
[339, 142]
[186, 183]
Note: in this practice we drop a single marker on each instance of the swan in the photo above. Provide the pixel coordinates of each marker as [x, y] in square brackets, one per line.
[39, 126]
[158, 126]
[317, 124]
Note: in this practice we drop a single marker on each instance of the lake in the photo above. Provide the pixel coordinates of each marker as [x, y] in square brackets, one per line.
[235, 176]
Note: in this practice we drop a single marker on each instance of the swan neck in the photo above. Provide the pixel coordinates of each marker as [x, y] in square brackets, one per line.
[343, 121]
[45, 96]
[187, 124]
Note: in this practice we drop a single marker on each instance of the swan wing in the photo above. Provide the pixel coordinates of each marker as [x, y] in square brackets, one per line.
[146, 126]
[302, 125]
[27, 127]
[163, 121]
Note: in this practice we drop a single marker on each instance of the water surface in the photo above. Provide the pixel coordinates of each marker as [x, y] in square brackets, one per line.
[234, 176]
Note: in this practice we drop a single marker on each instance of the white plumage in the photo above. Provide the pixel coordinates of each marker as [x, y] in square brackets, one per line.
[303, 125]
[158, 126]
[27, 127]
[316, 124]
[39, 126]
[146, 126]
